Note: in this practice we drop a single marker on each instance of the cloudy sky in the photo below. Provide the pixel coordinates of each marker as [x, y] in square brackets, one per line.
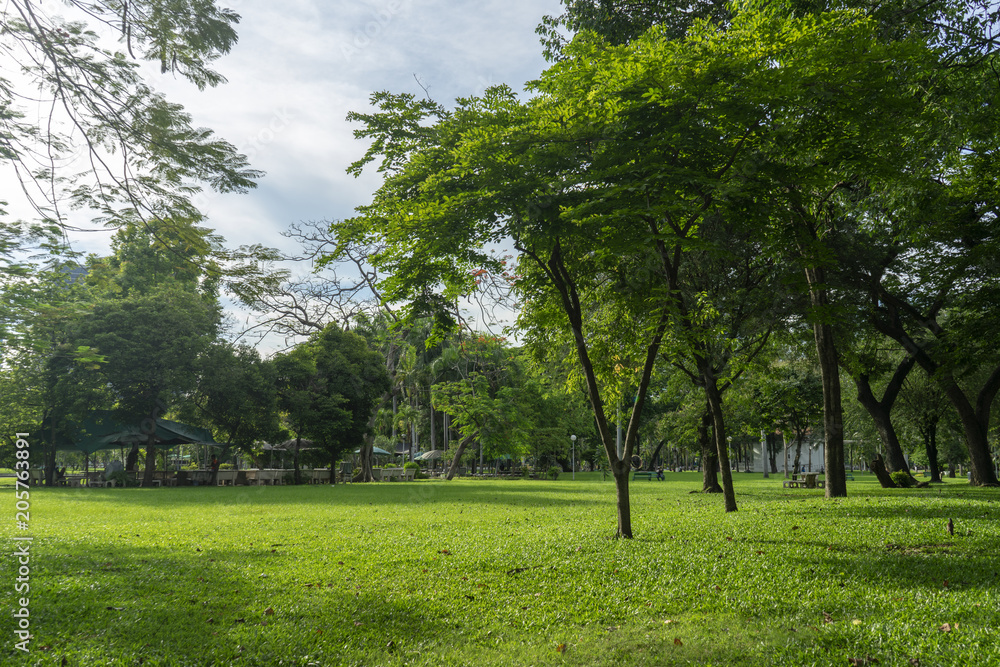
[301, 65]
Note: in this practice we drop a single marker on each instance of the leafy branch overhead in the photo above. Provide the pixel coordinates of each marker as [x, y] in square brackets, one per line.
[106, 141]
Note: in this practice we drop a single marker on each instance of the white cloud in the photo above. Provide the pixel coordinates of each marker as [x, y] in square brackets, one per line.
[301, 65]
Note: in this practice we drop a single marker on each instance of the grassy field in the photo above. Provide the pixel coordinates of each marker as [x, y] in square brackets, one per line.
[509, 573]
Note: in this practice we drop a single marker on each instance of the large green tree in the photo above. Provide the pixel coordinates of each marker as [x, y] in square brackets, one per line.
[604, 179]
[328, 388]
[152, 344]
[236, 395]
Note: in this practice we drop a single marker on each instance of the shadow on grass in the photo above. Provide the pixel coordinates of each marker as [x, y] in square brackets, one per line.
[152, 605]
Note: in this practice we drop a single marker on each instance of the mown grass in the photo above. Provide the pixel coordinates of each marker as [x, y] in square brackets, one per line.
[510, 573]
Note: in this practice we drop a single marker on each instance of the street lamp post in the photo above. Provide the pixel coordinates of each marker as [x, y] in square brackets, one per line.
[572, 439]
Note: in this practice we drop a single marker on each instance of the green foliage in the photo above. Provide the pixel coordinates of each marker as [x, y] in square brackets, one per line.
[553, 472]
[142, 364]
[328, 388]
[411, 465]
[122, 479]
[237, 395]
[902, 479]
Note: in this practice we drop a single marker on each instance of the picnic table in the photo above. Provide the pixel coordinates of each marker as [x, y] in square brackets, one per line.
[810, 480]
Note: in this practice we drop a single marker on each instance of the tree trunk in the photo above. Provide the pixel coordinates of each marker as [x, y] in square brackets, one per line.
[709, 457]
[456, 461]
[562, 280]
[333, 469]
[878, 467]
[132, 458]
[365, 451]
[833, 411]
[624, 506]
[930, 445]
[365, 456]
[147, 475]
[975, 427]
[881, 411]
[656, 452]
[297, 473]
[796, 467]
[975, 419]
[772, 452]
[433, 428]
[721, 445]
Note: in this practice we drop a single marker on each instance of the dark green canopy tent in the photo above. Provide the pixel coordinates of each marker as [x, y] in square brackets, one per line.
[102, 431]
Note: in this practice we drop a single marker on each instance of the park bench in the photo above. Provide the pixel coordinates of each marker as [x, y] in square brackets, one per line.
[648, 474]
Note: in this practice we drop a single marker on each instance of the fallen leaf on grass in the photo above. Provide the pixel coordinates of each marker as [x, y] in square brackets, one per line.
[678, 642]
[948, 627]
[856, 622]
[561, 648]
[269, 611]
[827, 618]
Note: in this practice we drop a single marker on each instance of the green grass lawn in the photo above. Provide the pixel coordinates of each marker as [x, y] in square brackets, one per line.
[510, 573]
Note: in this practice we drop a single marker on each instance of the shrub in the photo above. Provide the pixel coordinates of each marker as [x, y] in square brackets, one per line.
[122, 478]
[553, 472]
[902, 479]
[411, 465]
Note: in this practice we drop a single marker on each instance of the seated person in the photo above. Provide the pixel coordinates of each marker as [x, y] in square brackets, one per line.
[61, 475]
[659, 472]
